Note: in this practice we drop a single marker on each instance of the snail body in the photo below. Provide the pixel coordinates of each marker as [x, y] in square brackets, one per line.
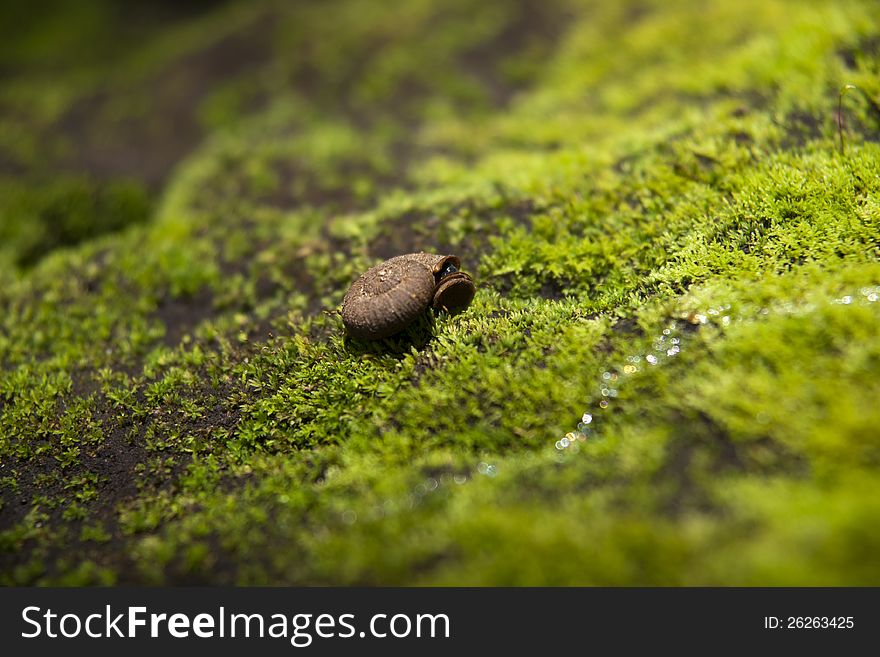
[390, 296]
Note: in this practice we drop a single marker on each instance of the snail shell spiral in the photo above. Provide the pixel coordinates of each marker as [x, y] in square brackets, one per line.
[390, 296]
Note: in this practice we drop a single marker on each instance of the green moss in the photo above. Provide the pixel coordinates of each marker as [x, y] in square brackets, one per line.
[36, 219]
[666, 236]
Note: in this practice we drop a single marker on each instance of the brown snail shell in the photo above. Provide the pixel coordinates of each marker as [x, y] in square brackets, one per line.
[390, 296]
[454, 292]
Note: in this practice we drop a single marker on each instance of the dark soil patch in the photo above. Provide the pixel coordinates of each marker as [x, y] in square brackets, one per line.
[802, 127]
[147, 145]
[296, 186]
[8, 165]
[628, 326]
[677, 478]
[534, 27]
[705, 449]
[870, 132]
[406, 234]
[219, 415]
[869, 47]
[114, 462]
[117, 465]
[181, 315]
[84, 383]
[553, 289]
[550, 288]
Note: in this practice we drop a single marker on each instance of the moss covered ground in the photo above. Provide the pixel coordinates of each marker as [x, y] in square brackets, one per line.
[670, 373]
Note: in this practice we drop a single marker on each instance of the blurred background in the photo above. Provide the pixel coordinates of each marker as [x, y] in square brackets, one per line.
[99, 100]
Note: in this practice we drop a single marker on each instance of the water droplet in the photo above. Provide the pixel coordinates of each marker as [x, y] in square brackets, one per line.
[459, 479]
[482, 467]
[603, 404]
[587, 418]
[651, 358]
[606, 375]
[565, 442]
[349, 517]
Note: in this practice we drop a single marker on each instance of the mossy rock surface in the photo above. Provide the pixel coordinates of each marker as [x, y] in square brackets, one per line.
[669, 374]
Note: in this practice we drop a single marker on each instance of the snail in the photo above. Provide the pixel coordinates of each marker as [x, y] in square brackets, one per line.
[390, 296]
